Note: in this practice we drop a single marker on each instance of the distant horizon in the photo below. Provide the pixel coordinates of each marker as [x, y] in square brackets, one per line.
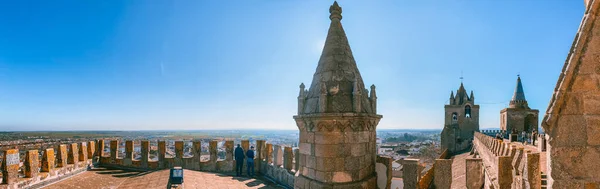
[208, 65]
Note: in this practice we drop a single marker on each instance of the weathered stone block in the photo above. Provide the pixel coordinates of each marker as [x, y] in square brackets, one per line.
[352, 163]
[228, 150]
[327, 150]
[410, 173]
[288, 158]
[572, 131]
[358, 149]
[10, 166]
[474, 173]
[278, 156]
[593, 129]
[296, 159]
[73, 156]
[83, 152]
[504, 171]
[99, 148]
[32, 164]
[212, 149]
[114, 151]
[533, 170]
[329, 138]
[62, 156]
[91, 149]
[48, 161]
[145, 153]
[442, 173]
[179, 149]
[325, 164]
[269, 150]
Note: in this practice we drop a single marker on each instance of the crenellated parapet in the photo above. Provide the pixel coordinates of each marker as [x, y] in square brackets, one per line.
[55, 163]
[504, 164]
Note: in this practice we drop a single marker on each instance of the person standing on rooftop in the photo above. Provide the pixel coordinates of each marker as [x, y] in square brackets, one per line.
[250, 165]
[239, 160]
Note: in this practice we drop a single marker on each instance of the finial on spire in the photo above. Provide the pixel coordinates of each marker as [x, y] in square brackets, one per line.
[336, 11]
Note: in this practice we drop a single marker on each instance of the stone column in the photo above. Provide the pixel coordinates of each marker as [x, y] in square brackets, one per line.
[504, 171]
[212, 148]
[73, 156]
[10, 166]
[229, 150]
[178, 153]
[179, 149]
[278, 156]
[410, 173]
[259, 154]
[48, 161]
[128, 150]
[32, 164]
[145, 153]
[442, 173]
[288, 158]
[127, 161]
[83, 152]
[91, 148]
[61, 156]
[269, 156]
[474, 173]
[100, 148]
[297, 159]
[162, 150]
[533, 170]
[114, 151]
[197, 150]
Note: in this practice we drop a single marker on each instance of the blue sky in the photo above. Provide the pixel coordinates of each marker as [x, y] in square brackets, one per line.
[133, 65]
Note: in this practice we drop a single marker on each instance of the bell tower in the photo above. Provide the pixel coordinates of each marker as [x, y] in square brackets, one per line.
[337, 119]
[460, 121]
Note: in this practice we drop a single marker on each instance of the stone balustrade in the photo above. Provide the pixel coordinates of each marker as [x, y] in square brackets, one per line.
[70, 159]
[504, 165]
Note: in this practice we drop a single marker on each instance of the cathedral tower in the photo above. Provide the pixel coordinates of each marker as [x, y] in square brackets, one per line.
[337, 119]
[518, 115]
[461, 120]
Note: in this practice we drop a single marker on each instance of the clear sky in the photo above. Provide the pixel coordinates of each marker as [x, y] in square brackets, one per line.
[164, 64]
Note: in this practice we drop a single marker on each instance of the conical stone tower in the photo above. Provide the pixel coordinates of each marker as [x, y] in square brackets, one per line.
[337, 119]
[518, 116]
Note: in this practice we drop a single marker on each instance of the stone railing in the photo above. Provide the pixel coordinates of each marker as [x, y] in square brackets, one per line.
[504, 165]
[67, 160]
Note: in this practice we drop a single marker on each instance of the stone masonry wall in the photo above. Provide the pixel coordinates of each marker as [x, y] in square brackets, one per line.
[572, 120]
[504, 165]
[38, 173]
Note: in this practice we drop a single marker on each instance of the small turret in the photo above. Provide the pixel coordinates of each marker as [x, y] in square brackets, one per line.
[373, 99]
[472, 98]
[323, 98]
[301, 98]
[451, 97]
[356, 96]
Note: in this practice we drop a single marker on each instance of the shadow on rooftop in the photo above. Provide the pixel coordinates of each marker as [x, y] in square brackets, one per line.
[120, 173]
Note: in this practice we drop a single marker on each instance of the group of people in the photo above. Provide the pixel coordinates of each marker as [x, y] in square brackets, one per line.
[524, 137]
[239, 161]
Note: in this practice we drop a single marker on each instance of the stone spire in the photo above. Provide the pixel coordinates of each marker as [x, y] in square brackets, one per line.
[461, 95]
[518, 99]
[451, 97]
[338, 74]
[336, 106]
